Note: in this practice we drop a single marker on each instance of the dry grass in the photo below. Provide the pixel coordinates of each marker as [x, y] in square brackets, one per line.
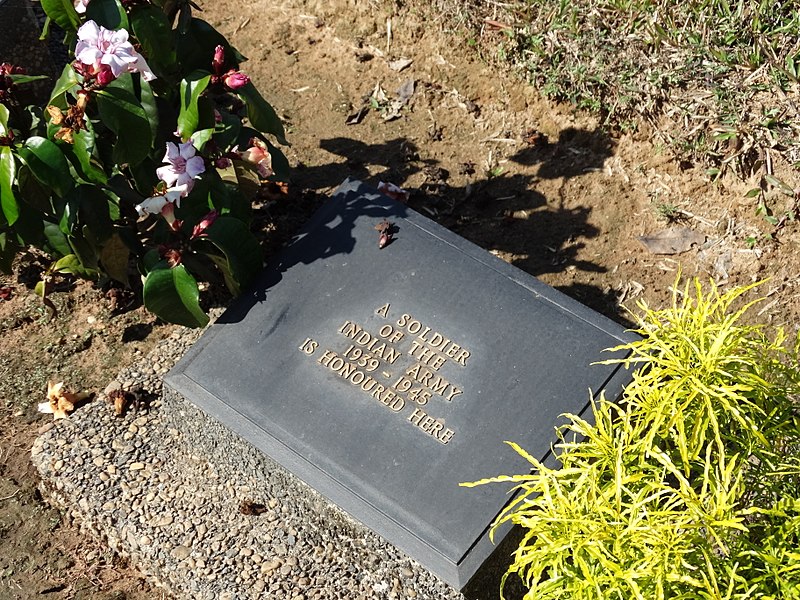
[716, 80]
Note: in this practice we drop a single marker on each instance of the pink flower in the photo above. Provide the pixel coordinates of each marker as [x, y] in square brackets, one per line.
[163, 204]
[235, 80]
[80, 6]
[100, 46]
[205, 223]
[258, 155]
[184, 166]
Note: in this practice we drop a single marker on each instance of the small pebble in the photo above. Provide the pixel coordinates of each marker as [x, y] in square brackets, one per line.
[181, 552]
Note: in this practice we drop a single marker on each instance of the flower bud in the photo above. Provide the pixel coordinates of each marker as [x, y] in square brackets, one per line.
[204, 224]
[104, 75]
[219, 59]
[235, 80]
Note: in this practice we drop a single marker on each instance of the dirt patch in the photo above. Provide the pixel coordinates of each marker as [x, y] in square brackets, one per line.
[539, 185]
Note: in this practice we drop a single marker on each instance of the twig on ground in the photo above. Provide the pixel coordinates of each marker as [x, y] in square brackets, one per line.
[9, 497]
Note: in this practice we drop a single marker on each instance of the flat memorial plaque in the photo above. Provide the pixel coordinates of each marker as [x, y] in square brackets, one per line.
[385, 377]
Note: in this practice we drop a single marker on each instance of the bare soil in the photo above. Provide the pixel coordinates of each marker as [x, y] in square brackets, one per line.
[540, 185]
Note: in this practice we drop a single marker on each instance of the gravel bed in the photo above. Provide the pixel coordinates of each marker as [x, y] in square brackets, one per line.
[170, 489]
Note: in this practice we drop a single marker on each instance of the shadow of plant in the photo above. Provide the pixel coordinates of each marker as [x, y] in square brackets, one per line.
[503, 213]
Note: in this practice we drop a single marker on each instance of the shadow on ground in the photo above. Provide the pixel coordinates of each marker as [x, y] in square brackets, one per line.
[502, 213]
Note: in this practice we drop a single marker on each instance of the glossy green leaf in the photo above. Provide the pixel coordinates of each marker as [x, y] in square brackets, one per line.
[261, 114]
[151, 260]
[227, 131]
[152, 29]
[72, 264]
[243, 257]
[88, 206]
[189, 117]
[36, 195]
[69, 81]
[29, 228]
[56, 239]
[47, 163]
[173, 295]
[244, 175]
[3, 119]
[280, 164]
[108, 13]
[83, 151]
[85, 247]
[8, 200]
[63, 13]
[148, 101]
[227, 198]
[22, 79]
[114, 257]
[121, 112]
[8, 250]
[201, 137]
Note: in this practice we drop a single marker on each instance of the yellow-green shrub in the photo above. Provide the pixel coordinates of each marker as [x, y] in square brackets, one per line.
[689, 487]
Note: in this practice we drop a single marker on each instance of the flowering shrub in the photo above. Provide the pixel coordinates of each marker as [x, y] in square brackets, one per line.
[149, 151]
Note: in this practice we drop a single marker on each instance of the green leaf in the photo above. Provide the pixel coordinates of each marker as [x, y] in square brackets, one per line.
[8, 250]
[280, 164]
[244, 175]
[3, 119]
[72, 264]
[56, 239]
[753, 193]
[47, 163]
[150, 108]
[29, 228]
[69, 81]
[121, 112]
[243, 257]
[108, 13]
[84, 246]
[780, 184]
[151, 28]
[8, 201]
[63, 13]
[173, 295]
[151, 260]
[191, 88]
[144, 177]
[83, 151]
[201, 137]
[227, 130]
[114, 257]
[21, 79]
[89, 207]
[261, 114]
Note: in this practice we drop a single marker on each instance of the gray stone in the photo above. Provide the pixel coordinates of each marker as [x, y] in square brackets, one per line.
[400, 373]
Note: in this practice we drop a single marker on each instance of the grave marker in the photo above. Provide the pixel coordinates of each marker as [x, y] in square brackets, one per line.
[385, 377]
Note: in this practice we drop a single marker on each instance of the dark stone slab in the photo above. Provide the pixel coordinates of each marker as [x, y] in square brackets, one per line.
[465, 351]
